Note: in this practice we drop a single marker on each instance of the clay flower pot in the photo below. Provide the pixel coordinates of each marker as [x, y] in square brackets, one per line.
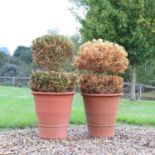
[53, 112]
[101, 110]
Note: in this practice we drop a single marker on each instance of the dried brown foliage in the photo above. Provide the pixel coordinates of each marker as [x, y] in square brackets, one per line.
[101, 84]
[99, 56]
[53, 81]
[51, 51]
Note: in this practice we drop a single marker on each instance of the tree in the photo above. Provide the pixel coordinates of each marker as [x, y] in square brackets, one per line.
[146, 73]
[4, 58]
[8, 70]
[1, 55]
[77, 41]
[24, 54]
[53, 31]
[129, 23]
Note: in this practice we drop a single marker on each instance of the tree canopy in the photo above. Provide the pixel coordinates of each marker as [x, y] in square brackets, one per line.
[23, 53]
[129, 23]
[4, 57]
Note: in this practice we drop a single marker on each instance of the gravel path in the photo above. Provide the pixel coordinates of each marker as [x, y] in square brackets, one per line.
[129, 140]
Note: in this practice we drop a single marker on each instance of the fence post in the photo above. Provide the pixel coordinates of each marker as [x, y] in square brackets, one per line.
[13, 81]
[140, 91]
[139, 97]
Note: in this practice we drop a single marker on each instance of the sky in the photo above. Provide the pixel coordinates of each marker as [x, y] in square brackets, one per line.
[24, 20]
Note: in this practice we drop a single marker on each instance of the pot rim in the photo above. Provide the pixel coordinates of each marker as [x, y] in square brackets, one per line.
[106, 95]
[53, 93]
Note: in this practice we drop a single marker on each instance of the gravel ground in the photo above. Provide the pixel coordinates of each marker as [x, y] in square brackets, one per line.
[129, 140]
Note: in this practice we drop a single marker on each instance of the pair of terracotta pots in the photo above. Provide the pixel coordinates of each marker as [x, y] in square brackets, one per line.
[53, 113]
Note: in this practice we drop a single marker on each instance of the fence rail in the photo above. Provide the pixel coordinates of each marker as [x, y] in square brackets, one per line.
[142, 91]
[15, 81]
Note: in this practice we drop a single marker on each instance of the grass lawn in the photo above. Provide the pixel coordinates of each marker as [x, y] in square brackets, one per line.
[17, 109]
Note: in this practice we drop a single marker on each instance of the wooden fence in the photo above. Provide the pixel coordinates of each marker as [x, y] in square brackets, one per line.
[142, 91]
[15, 81]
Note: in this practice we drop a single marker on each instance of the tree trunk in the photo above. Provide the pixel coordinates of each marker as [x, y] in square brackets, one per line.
[133, 83]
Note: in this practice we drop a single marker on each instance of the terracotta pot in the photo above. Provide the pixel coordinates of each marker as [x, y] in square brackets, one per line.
[101, 110]
[53, 112]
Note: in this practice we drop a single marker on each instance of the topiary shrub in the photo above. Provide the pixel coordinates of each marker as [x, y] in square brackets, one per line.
[102, 61]
[99, 56]
[51, 52]
[53, 81]
[101, 84]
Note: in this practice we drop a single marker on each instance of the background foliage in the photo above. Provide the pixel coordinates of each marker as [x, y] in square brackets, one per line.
[129, 23]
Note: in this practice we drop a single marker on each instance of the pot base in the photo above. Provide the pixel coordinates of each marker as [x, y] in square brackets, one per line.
[52, 133]
[101, 131]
